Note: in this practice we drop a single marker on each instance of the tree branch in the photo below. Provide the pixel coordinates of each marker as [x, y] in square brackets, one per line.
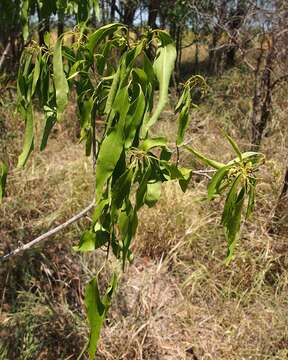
[5, 53]
[48, 234]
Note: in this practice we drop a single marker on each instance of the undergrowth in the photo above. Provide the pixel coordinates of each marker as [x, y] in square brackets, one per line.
[178, 300]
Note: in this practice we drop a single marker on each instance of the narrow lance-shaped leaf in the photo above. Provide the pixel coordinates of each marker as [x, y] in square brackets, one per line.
[97, 308]
[183, 120]
[112, 146]
[204, 159]
[36, 74]
[213, 186]
[28, 137]
[233, 223]
[163, 67]
[95, 38]
[134, 118]
[60, 81]
[50, 121]
[234, 145]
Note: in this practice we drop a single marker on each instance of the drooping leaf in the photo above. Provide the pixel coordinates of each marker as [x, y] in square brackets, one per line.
[134, 118]
[92, 240]
[233, 222]
[36, 74]
[251, 199]
[112, 145]
[215, 182]
[50, 121]
[163, 67]
[97, 308]
[141, 191]
[121, 189]
[128, 222]
[183, 120]
[153, 193]
[28, 137]
[60, 81]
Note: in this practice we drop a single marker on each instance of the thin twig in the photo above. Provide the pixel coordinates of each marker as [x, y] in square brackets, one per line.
[48, 234]
[203, 173]
[4, 55]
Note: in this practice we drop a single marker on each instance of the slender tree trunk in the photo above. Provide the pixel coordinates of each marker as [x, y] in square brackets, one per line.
[130, 8]
[112, 10]
[215, 55]
[153, 10]
[60, 24]
[262, 101]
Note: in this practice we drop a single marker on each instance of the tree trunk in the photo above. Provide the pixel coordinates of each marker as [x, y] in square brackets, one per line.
[60, 24]
[130, 8]
[113, 10]
[262, 101]
[153, 10]
[215, 55]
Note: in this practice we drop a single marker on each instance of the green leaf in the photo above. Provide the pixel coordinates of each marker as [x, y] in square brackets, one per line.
[122, 187]
[232, 222]
[183, 120]
[28, 137]
[128, 222]
[134, 118]
[36, 74]
[141, 191]
[112, 145]
[183, 99]
[209, 162]
[215, 182]
[250, 156]
[50, 121]
[251, 200]
[97, 308]
[163, 68]
[150, 143]
[113, 91]
[234, 146]
[60, 81]
[3, 177]
[186, 177]
[85, 110]
[153, 193]
[92, 240]
[98, 35]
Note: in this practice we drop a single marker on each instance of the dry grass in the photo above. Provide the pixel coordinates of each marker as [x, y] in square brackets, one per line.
[178, 300]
